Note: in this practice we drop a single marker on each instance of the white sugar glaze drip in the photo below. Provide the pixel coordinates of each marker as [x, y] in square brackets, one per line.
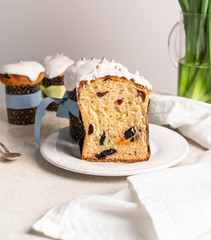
[88, 70]
[56, 64]
[29, 69]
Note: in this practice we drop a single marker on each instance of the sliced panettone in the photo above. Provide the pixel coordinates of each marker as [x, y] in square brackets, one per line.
[113, 111]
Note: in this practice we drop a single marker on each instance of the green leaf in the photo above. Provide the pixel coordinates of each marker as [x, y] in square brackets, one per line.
[198, 88]
[184, 5]
[202, 32]
[195, 6]
[183, 76]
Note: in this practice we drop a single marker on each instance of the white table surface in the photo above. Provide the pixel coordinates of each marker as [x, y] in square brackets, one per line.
[30, 186]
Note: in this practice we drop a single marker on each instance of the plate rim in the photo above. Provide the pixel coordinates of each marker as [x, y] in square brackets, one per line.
[115, 173]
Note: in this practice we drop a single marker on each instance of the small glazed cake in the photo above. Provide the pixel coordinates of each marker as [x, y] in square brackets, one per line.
[23, 94]
[113, 103]
[53, 83]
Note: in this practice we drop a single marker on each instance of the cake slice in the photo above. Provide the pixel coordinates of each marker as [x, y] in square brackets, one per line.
[113, 106]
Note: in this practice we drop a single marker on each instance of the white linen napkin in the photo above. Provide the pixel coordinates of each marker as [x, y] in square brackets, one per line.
[177, 199]
[170, 204]
[108, 217]
[192, 118]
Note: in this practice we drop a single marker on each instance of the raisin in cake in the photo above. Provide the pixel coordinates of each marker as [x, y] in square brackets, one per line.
[113, 103]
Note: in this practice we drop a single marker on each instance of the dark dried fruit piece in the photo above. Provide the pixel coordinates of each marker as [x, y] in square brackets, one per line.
[7, 76]
[91, 129]
[130, 133]
[108, 78]
[132, 139]
[105, 153]
[101, 94]
[109, 151]
[141, 94]
[120, 101]
[102, 139]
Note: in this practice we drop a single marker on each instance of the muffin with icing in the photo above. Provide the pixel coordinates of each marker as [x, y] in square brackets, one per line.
[113, 103]
[23, 94]
[53, 83]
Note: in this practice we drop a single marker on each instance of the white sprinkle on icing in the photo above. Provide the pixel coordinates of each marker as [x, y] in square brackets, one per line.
[29, 69]
[89, 70]
[56, 64]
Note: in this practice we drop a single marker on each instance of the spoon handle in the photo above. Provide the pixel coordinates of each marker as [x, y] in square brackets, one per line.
[4, 147]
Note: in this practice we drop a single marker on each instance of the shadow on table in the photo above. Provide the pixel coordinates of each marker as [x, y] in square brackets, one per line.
[3, 115]
[68, 174]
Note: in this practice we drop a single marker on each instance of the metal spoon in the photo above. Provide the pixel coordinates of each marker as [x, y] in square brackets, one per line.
[8, 155]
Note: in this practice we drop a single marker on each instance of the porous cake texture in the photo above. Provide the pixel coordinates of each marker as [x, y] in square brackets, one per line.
[113, 112]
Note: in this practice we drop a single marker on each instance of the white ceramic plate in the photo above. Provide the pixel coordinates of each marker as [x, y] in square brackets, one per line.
[167, 149]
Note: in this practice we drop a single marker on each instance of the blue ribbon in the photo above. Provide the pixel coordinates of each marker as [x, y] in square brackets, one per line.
[25, 101]
[66, 105]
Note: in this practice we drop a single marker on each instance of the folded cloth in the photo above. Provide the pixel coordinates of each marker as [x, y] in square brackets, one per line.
[170, 204]
[192, 118]
[177, 199]
[108, 217]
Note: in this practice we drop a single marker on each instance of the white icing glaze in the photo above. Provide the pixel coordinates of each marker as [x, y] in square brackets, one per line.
[29, 69]
[56, 64]
[88, 70]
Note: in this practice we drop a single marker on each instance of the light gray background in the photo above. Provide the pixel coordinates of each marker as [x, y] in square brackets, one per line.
[132, 32]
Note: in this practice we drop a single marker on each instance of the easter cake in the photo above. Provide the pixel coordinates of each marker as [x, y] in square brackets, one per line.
[113, 108]
[23, 95]
[53, 83]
